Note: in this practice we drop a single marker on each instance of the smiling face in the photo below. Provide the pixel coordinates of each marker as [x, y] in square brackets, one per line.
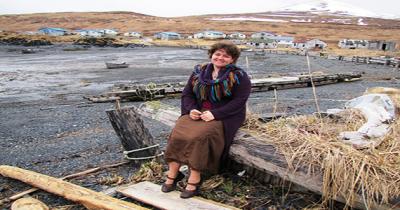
[220, 58]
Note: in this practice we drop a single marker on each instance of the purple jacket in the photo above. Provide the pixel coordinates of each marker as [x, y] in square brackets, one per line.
[230, 110]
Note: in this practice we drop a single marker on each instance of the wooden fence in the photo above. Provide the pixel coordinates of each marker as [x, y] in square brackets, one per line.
[394, 62]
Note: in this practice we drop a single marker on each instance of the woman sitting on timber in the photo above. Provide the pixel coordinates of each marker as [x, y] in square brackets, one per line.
[213, 107]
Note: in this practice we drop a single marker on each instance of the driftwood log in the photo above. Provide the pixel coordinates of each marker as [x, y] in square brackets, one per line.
[134, 136]
[259, 155]
[89, 198]
[82, 173]
[141, 92]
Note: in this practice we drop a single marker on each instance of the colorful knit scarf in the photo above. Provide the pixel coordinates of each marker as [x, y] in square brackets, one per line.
[205, 88]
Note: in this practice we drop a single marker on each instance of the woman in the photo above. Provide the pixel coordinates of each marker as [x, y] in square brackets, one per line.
[213, 107]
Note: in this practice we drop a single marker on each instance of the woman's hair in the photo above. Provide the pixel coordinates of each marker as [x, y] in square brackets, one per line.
[230, 48]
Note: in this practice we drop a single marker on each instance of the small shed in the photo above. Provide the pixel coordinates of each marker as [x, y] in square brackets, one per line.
[237, 35]
[382, 45]
[167, 35]
[53, 31]
[133, 34]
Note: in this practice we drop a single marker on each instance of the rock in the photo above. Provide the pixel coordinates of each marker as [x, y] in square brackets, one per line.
[28, 204]
[100, 42]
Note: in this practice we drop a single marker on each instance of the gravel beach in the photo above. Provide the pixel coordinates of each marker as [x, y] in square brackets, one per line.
[47, 126]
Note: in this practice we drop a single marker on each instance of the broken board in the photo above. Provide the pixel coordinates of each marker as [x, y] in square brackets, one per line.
[151, 194]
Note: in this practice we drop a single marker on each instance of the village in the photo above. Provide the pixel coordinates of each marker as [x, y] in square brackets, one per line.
[258, 40]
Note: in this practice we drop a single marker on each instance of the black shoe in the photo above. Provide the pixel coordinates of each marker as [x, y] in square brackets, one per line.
[190, 193]
[171, 187]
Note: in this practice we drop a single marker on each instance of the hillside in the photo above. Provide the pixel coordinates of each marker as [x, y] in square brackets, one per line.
[327, 27]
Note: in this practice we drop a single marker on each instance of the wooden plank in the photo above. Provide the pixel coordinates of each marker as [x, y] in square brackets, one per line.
[151, 194]
[89, 198]
[143, 93]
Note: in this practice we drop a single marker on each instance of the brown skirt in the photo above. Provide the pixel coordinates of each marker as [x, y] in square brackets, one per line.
[196, 143]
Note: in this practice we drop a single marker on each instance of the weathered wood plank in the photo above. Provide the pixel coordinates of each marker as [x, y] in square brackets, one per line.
[130, 129]
[144, 93]
[84, 196]
[151, 194]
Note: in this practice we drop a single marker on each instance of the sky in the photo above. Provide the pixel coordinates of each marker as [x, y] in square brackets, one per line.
[174, 8]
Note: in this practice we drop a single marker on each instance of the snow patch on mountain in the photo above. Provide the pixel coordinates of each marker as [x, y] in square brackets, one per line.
[329, 7]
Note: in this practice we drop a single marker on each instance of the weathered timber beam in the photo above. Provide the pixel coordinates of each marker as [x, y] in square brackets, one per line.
[250, 151]
[89, 198]
[132, 93]
[130, 129]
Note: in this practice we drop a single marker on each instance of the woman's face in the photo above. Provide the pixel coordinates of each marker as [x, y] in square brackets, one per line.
[220, 58]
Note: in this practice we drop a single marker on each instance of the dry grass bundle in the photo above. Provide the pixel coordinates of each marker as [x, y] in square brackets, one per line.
[149, 171]
[312, 142]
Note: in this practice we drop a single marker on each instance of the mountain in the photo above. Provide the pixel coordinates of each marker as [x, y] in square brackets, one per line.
[333, 7]
[317, 12]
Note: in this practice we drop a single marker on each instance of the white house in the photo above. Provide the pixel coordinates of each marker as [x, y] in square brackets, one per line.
[210, 35]
[263, 35]
[198, 35]
[133, 34]
[308, 44]
[315, 43]
[262, 43]
[237, 35]
[89, 33]
[167, 35]
[353, 44]
[283, 39]
[109, 32]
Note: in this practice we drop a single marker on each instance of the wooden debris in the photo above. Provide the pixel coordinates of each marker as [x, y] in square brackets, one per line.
[262, 156]
[156, 91]
[84, 196]
[28, 204]
[151, 194]
[134, 136]
[71, 176]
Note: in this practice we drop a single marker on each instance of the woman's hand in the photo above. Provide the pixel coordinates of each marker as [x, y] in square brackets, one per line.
[194, 114]
[207, 116]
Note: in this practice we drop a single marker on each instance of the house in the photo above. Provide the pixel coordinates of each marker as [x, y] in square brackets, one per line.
[236, 35]
[90, 33]
[133, 34]
[382, 45]
[353, 44]
[52, 31]
[262, 35]
[315, 43]
[198, 35]
[283, 41]
[167, 35]
[209, 35]
[109, 32]
[302, 43]
[262, 43]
